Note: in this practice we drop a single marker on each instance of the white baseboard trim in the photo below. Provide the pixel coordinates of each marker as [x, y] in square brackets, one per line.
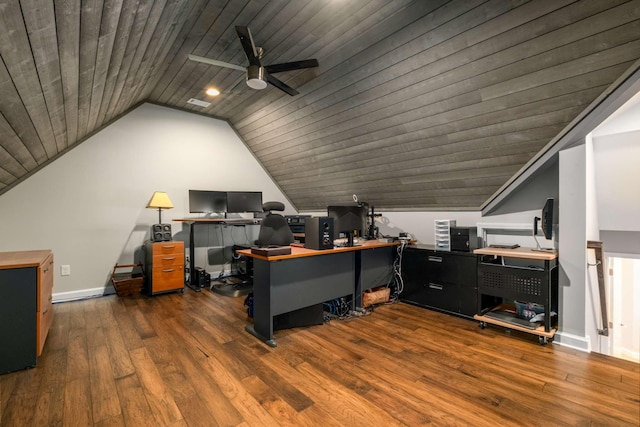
[573, 341]
[82, 294]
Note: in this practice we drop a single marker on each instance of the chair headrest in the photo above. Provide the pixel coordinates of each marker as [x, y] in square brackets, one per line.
[272, 206]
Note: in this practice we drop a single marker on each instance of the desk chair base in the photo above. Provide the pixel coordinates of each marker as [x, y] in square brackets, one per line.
[228, 288]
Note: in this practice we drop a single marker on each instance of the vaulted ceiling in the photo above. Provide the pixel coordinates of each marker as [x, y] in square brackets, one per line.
[416, 104]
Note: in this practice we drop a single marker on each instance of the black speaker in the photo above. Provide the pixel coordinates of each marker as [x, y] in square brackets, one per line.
[318, 232]
[161, 232]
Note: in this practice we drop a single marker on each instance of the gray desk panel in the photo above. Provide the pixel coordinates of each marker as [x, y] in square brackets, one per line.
[376, 269]
[287, 285]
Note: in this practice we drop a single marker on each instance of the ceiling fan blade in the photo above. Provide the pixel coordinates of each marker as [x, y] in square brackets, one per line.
[281, 85]
[289, 66]
[247, 44]
[215, 62]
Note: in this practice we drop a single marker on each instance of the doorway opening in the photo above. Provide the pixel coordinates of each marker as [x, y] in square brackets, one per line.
[624, 301]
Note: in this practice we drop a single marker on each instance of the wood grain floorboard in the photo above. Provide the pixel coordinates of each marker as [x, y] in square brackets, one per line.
[185, 360]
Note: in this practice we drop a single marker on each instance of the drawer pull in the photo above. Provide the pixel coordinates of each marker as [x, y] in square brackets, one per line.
[435, 286]
[168, 271]
[169, 259]
[435, 259]
[168, 247]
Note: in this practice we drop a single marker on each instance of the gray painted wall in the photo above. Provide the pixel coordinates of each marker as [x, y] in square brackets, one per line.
[89, 205]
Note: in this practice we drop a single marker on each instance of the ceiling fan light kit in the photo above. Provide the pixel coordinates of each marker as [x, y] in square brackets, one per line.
[257, 75]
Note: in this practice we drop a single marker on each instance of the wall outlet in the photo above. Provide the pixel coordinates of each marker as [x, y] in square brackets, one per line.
[65, 270]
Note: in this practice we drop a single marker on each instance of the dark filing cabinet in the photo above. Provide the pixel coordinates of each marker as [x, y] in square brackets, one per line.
[442, 280]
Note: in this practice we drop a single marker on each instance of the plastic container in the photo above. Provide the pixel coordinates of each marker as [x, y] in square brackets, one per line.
[528, 310]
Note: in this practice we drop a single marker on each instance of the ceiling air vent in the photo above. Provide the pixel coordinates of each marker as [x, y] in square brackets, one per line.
[198, 102]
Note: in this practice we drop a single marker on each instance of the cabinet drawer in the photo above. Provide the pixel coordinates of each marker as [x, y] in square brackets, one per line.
[45, 318]
[441, 295]
[168, 260]
[451, 268]
[168, 278]
[45, 285]
[168, 248]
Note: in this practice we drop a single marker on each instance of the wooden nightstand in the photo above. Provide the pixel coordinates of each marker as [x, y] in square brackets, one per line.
[164, 267]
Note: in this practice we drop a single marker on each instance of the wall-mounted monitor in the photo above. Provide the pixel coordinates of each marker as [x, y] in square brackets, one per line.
[546, 224]
[244, 201]
[348, 220]
[202, 201]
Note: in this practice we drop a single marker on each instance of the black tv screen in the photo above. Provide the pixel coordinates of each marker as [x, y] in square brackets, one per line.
[244, 201]
[349, 219]
[202, 201]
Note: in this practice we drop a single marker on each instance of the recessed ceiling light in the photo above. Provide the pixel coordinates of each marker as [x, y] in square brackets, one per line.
[212, 91]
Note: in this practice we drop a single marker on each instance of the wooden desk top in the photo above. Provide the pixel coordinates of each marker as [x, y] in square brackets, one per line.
[204, 220]
[21, 259]
[298, 252]
[528, 253]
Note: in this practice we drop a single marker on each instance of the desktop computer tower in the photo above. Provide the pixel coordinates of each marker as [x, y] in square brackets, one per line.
[201, 278]
[464, 239]
[318, 233]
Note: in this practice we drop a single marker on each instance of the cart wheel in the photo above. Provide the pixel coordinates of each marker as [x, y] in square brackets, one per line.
[542, 340]
[482, 325]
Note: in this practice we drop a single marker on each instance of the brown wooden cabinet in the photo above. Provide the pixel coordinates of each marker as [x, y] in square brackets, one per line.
[164, 267]
[26, 307]
[45, 300]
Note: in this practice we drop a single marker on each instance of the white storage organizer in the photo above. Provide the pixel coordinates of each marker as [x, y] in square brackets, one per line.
[442, 233]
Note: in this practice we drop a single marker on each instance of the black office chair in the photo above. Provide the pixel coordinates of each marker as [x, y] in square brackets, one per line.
[274, 229]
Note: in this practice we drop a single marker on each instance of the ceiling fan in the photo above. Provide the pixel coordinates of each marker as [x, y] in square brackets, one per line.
[257, 74]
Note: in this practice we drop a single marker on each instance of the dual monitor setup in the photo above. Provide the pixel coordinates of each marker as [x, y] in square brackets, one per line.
[224, 202]
[349, 221]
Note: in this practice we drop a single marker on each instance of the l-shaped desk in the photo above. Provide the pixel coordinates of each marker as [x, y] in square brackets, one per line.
[285, 283]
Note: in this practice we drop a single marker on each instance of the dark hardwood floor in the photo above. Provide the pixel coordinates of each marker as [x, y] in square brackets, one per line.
[185, 360]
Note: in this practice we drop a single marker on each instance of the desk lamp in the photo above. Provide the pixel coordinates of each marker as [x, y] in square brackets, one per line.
[161, 201]
[160, 232]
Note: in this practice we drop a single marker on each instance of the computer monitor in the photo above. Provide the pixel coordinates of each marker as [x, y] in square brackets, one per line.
[546, 224]
[350, 220]
[244, 201]
[202, 201]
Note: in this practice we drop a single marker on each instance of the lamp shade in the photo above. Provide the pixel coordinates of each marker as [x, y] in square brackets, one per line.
[160, 200]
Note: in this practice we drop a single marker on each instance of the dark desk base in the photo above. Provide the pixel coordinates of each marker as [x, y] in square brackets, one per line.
[268, 341]
[295, 283]
[308, 316]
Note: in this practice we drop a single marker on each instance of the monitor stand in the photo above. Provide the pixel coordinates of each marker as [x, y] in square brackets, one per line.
[539, 249]
[350, 239]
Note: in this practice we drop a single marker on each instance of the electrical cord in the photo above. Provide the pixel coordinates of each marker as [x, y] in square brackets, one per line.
[398, 283]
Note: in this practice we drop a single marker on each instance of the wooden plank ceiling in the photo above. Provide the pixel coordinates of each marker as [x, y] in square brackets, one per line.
[415, 105]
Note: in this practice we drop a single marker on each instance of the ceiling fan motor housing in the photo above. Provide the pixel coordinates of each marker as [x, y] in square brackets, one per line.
[255, 77]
